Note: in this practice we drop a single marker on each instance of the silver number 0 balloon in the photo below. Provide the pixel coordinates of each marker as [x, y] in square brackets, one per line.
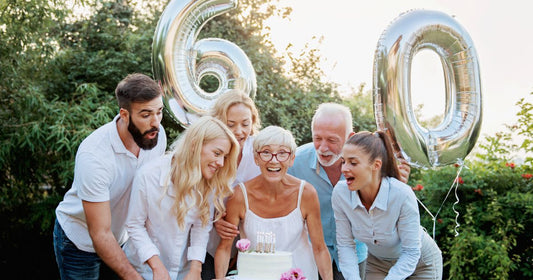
[456, 135]
[180, 62]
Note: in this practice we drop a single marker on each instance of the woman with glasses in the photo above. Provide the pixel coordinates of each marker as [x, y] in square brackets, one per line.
[279, 203]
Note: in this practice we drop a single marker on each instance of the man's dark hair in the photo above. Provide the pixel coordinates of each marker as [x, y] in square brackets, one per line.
[136, 88]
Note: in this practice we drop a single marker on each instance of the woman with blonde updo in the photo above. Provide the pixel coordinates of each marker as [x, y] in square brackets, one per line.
[176, 197]
[237, 110]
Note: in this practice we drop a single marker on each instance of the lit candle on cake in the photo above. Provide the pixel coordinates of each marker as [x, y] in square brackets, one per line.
[259, 246]
[268, 242]
[273, 243]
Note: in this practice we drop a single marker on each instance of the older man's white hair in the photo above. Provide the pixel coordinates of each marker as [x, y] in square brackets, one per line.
[329, 109]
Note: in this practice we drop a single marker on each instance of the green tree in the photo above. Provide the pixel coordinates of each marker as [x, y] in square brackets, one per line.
[493, 209]
[58, 76]
[361, 106]
[525, 128]
[59, 71]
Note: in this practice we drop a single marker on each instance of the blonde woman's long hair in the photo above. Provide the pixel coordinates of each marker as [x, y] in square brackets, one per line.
[191, 188]
[233, 97]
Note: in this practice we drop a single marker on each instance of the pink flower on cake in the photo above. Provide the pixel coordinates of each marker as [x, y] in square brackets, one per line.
[285, 276]
[297, 274]
[293, 274]
[243, 245]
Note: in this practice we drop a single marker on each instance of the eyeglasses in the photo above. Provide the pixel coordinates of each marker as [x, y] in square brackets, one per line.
[267, 156]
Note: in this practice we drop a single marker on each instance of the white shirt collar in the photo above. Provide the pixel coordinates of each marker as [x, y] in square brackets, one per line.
[381, 199]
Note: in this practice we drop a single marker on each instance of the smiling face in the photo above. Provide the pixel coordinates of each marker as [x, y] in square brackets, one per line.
[329, 135]
[239, 121]
[213, 156]
[274, 170]
[357, 168]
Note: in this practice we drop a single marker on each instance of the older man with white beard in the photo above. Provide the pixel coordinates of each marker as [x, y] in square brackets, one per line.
[319, 163]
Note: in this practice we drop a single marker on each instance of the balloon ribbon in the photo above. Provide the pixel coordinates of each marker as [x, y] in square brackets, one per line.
[454, 187]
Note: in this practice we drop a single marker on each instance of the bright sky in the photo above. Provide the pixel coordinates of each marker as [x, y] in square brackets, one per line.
[502, 32]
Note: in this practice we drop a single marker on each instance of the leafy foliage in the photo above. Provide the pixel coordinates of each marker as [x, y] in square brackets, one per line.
[495, 209]
[361, 106]
[59, 71]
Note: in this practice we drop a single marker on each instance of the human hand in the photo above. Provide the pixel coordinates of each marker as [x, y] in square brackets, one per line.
[160, 274]
[193, 276]
[405, 170]
[159, 270]
[226, 230]
[195, 271]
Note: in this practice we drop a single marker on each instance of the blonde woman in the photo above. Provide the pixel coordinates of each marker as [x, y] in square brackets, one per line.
[277, 202]
[237, 110]
[177, 196]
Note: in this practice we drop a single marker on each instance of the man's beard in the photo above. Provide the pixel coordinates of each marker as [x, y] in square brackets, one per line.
[334, 158]
[138, 137]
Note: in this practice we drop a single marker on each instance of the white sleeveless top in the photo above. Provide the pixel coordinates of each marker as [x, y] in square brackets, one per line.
[291, 234]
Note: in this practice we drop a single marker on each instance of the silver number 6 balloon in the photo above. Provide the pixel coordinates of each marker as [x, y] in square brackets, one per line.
[180, 62]
[456, 135]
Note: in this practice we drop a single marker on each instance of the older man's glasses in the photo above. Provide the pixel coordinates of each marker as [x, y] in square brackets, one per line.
[267, 156]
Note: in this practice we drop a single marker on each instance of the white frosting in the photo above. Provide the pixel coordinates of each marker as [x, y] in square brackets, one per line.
[263, 266]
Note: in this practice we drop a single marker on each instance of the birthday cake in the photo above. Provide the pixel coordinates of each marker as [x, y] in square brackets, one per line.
[263, 263]
[263, 266]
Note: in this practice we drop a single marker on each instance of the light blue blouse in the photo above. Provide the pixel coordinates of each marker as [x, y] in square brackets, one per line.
[390, 228]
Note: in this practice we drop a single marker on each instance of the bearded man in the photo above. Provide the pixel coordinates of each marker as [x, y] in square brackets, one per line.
[90, 221]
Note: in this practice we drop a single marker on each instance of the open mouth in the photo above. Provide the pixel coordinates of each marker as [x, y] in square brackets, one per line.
[325, 157]
[350, 180]
[274, 169]
[240, 139]
[152, 134]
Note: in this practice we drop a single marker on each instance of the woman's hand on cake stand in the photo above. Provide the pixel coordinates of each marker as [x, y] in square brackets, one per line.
[226, 230]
